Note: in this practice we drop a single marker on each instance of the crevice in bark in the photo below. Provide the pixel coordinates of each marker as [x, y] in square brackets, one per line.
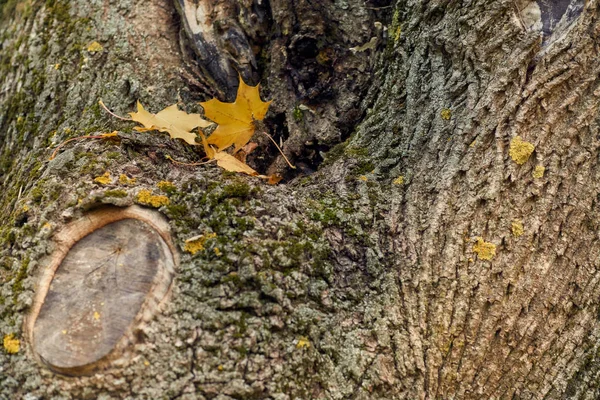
[306, 47]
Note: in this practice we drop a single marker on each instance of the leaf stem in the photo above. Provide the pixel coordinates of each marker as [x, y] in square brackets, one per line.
[279, 148]
[112, 113]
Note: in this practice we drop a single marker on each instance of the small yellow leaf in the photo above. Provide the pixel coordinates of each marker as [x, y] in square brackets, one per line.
[236, 121]
[178, 124]
[11, 344]
[96, 316]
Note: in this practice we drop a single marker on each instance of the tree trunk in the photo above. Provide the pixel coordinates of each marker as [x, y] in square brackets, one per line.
[439, 239]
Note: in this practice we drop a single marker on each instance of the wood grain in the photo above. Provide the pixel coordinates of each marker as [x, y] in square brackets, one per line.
[104, 281]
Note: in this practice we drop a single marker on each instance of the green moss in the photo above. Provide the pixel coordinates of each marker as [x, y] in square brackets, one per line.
[334, 154]
[113, 155]
[357, 151]
[237, 189]
[21, 275]
[363, 167]
[167, 187]
[177, 211]
[115, 193]
[297, 113]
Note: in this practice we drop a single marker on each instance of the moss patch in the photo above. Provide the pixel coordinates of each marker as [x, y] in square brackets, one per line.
[115, 193]
[167, 187]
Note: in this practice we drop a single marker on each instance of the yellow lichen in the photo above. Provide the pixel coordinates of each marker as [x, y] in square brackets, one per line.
[96, 316]
[303, 343]
[217, 252]
[517, 228]
[363, 178]
[57, 66]
[125, 180]
[397, 33]
[103, 179]
[94, 47]
[520, 150]
[146, 197]
[538, 171]
[399, 180]
[11, 344]
[484, 250]
[446, 113]
[166, 186]
[196, 244]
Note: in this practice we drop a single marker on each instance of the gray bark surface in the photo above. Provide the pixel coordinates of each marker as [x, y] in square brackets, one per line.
[345, 283]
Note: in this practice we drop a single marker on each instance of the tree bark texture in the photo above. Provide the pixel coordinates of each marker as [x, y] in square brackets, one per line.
[418, 254]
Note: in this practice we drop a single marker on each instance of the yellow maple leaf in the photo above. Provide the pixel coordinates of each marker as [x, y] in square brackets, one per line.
[178, 124]
[232, 164]
[236, 121]
[226, 160]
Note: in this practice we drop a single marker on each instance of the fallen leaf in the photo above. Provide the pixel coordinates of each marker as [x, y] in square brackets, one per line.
[178, 124]
[236, 121]
[232, 164]
[243, 153]
[274, 179]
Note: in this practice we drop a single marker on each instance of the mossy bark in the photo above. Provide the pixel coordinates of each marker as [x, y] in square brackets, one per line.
[364, 279]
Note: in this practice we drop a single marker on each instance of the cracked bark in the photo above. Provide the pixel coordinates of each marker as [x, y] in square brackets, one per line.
[341, 283]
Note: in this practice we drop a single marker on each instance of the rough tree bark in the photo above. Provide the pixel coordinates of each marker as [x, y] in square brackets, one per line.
[419, 253]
